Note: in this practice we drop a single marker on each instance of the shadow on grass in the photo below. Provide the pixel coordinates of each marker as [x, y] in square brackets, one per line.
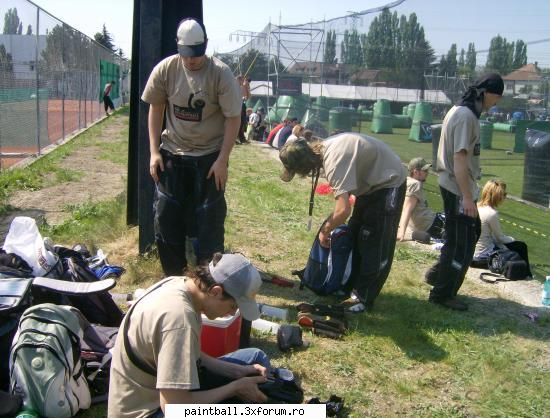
[411, 322]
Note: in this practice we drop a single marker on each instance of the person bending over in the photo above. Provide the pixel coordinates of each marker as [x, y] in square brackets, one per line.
[369, 169]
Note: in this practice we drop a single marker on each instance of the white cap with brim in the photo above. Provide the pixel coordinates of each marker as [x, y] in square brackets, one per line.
[240, 280]
[191, 38]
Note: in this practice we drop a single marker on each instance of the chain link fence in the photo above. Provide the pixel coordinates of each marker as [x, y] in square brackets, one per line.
[51, 80]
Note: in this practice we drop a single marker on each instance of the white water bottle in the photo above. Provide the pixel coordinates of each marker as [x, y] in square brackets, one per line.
[546, 292]
[265, 326]
[273, 312]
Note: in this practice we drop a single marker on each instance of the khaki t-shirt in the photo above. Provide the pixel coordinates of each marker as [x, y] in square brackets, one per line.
[422, 216]
[359, 164]
[165, 334]
[197, 103]
[460, 131]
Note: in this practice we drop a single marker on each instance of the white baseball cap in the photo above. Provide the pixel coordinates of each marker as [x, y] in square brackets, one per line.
[240, 280]
[191, 38]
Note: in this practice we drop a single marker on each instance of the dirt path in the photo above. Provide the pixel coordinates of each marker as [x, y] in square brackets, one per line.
[100, 180]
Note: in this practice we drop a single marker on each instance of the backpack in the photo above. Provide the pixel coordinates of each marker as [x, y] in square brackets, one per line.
[17, 294]
[45, 365]
[328, 269]
[506, 263]
[98, 308]
[96, 358]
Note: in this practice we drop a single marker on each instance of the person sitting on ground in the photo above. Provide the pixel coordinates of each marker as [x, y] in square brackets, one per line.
[274, 132]
[367, 168]
[286, 132]
[491, 237]
[425, 223]
[276, 143]
[297, 132]
[163, 331]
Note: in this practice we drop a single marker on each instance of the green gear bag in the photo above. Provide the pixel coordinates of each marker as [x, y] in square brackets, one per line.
[45, 364]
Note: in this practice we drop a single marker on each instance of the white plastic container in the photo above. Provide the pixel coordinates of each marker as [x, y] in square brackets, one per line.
[273, 312]
[265, 326]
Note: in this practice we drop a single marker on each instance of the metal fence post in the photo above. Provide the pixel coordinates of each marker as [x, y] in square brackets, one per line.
[37, 81]
[156, 29]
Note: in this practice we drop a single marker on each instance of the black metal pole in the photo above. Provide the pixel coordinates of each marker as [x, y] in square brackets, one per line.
[155, 25]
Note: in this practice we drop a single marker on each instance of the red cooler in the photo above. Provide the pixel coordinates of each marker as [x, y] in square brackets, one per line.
[221, 335]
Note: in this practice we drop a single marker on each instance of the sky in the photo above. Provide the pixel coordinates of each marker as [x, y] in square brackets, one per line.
[444, 21]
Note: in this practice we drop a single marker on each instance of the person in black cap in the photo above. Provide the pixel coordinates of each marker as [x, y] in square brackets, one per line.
[458, 169]
[189, 159]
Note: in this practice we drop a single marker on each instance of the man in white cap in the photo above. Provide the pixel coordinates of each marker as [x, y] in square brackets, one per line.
[157, 357]
[189, 159]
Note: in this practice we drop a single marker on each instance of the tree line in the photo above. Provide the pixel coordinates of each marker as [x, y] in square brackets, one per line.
[397, 44]
[14, 26]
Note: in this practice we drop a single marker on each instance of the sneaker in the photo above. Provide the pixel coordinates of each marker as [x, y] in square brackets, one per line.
[452, 304]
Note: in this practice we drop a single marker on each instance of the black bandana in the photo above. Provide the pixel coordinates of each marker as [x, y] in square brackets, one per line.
[473, 97]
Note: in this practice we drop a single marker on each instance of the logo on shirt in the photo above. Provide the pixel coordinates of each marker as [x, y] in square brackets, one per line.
[193, 111]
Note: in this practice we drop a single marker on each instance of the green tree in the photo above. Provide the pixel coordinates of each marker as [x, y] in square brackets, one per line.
[381, 44]
[6, 63]
[442, 68]
[351, 49]
[520, 55]
[230, 61]
[105, 39]
[502, 55]
[398, 44]
[330, 48]
[452, 64]
[471, 57]
[11, 22]
[462, 61]
[253, 63]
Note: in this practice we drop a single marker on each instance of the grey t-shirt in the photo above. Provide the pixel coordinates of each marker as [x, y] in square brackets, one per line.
[422, 216]
[197, 103]
[164, 333]
[460, 131]
[359, 164]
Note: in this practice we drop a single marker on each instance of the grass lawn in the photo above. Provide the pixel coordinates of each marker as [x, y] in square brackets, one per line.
[523, 222]
[408, 357]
